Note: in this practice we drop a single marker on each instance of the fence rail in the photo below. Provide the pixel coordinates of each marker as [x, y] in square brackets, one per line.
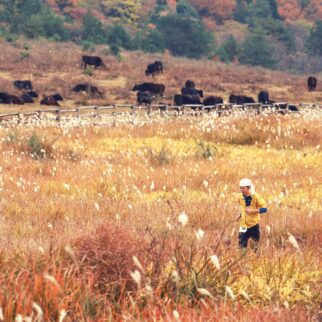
[117, 109]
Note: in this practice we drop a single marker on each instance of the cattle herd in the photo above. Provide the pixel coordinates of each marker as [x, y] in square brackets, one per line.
[146, 92]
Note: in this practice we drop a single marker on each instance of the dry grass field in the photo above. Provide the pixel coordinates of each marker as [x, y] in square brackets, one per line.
[136, 221]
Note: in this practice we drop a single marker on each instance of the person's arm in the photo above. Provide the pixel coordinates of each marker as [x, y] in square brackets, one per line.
[261, 206]
[256, 211]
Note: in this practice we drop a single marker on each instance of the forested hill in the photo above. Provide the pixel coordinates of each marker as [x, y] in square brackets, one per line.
[276, 34]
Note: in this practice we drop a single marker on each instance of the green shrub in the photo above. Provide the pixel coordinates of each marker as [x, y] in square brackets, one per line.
[118, 36]
[89, 71]
[185, 36]
[38, 148]
[205, 150]
[162, 157]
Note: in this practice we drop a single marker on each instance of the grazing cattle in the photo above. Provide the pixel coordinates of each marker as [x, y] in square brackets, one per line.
[49, 100]
[180, 100]
[6, 98]
[144, 98]
[191, 91]
[311, 84]
[240, 99]
[157, 89]
[212, 100]
[89, 89]
[286, 106]
[263, 97]
[23, 84]
[27, 98]
[92, 60]
[154, 68]
[32, 94]
[190, 84]
[57, 97]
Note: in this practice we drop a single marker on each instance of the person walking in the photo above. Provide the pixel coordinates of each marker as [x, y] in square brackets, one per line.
[252, 205]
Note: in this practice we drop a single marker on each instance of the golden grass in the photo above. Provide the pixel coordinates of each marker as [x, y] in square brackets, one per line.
[140, 178]
[72, 196]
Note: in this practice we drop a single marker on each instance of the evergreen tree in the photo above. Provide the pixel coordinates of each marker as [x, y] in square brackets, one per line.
[153, 42]
[185, 37]
[241, 12]
[118, 36]
[92, 29]
[314, 41]
[229, 50]
[184, 8]
[256, 50]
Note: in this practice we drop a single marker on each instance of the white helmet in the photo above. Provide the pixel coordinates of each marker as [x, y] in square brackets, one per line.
[245, 183]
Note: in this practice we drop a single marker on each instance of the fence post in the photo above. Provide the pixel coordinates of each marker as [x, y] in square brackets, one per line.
[77, 112]
[202, 110]
[97, 111]
[40, 114]
[58, 115]
[20, 117]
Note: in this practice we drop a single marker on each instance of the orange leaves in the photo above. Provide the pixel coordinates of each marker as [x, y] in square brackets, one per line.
[222, 8]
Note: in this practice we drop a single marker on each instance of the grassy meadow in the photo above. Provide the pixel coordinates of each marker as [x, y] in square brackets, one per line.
[137, 221]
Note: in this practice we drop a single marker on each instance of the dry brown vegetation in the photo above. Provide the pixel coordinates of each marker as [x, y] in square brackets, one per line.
[56, 67]
[79, 204]
[92, 218]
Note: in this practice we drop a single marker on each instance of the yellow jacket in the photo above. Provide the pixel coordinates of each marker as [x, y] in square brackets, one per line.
[250, 220]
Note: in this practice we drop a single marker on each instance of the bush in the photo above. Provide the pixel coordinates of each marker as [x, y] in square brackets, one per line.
[92, 29]
[153, 42]
[162, 157]
[38, 148]
[89, 71]
[229, 50]
[108, 258]
[314, 41]
[256, 50]
[185, 37]
[205, 150]
[118, 36]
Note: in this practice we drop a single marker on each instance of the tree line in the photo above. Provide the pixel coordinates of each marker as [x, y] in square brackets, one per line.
[181, 32]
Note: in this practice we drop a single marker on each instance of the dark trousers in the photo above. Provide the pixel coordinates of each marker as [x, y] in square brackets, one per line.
[252, 233]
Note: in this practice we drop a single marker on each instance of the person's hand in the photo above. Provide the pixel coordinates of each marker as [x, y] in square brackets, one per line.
[248, 210]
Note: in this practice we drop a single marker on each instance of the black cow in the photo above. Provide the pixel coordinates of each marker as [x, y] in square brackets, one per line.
[57, 97]
[263, 97]
[157, 89]
[89, 89]
[212, 100]
[240, 99]
[154, 68]
[23, 84]
[92, 60]
[285, 106]
[190, 84]
[27, 98]
[191, 91]
[180, 100]
[49, 100]
[6, 98]
[311, 84]
[32, 94]
[144, 98]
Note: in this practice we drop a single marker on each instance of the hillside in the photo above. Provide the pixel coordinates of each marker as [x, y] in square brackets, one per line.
[56, 67]
[291, 10]
[282, 35]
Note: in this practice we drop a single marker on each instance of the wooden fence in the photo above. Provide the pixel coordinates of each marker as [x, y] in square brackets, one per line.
[113, 110]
